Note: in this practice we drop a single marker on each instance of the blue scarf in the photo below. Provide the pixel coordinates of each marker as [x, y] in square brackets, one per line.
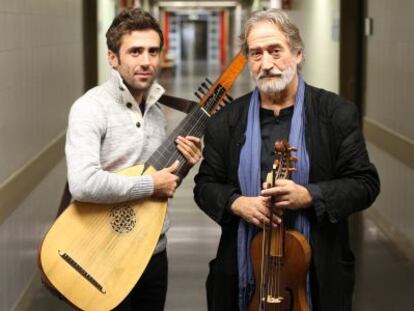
[250, 184]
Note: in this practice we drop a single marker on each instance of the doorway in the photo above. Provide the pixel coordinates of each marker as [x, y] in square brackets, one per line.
[193, 42]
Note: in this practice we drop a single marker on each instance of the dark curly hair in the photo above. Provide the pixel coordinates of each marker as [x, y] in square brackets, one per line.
[127, 21]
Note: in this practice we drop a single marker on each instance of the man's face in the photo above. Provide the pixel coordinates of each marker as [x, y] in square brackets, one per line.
[138, 59]
[271, 61]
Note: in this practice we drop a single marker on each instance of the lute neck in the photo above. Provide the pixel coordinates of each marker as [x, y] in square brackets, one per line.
[195, 122]
[166, 154]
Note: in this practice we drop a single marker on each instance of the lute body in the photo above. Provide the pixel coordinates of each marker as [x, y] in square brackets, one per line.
[94, 254]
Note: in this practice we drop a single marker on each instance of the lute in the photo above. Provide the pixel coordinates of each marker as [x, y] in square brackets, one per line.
[94, 254]
[280, 257]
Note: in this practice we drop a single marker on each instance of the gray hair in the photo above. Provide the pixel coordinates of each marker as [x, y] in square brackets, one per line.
[282, 21]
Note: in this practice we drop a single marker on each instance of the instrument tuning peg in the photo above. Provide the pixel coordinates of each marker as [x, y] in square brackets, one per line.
[205, 86]
[229, 97]
[293, 159]
[198, 95]
[293, 149]
[292, 170]
[209, 82]
[201, 91]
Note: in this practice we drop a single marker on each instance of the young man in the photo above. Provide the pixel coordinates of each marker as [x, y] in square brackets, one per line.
[334, 177]
[119, 124]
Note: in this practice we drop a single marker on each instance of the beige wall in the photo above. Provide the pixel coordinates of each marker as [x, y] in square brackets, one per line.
[41, 74]
[389, 84]
[106, 13]
[318, 21]
[21, 233]
[390, 65]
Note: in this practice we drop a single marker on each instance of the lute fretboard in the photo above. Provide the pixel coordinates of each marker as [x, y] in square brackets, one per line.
[195, 122]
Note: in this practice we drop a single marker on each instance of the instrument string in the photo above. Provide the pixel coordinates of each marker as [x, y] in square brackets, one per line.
[193, 124]
[274, 242]
[279, 250]
[263, 270]
[269, 276]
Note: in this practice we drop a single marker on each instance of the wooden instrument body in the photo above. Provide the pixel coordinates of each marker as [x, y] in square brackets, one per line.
[293, 270]
[280, 257]
[112, 243]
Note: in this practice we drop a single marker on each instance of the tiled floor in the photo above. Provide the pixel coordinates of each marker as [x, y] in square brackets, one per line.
[385, 277]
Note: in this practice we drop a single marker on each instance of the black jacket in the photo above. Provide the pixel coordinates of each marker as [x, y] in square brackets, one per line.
[342, 181]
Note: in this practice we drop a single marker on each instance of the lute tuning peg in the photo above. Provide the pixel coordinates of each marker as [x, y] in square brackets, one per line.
[200, 89]
[198, 95]
[229, 97]
[205, 86]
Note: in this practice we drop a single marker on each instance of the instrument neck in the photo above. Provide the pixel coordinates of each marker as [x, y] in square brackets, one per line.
[166, 154]
[274, 237]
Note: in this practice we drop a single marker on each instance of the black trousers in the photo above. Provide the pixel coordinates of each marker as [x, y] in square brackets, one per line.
[151, 290]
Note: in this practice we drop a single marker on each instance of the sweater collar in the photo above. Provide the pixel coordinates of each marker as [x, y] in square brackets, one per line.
[151, 97]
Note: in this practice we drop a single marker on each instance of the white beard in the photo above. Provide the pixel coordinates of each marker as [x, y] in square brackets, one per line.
[275, 85]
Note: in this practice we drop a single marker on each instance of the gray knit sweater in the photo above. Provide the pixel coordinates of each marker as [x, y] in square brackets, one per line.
[107, 133]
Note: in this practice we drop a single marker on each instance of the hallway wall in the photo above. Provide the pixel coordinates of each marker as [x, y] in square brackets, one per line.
[389, 114]
[106, 13]
[41, 74]
[318, 22]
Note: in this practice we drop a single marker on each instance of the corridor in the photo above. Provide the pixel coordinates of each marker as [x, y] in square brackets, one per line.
[384, 274]
[52, 52]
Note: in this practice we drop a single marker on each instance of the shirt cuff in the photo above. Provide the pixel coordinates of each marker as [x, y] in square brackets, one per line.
[144, 187]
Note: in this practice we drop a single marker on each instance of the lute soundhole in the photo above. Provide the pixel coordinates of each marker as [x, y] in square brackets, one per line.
[123, 218]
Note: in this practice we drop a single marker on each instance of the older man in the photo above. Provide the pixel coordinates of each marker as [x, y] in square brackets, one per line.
[334, 177]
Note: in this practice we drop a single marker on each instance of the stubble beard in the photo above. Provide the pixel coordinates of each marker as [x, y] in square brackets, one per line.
[133, 83]
[138, 87]
[141, 86]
